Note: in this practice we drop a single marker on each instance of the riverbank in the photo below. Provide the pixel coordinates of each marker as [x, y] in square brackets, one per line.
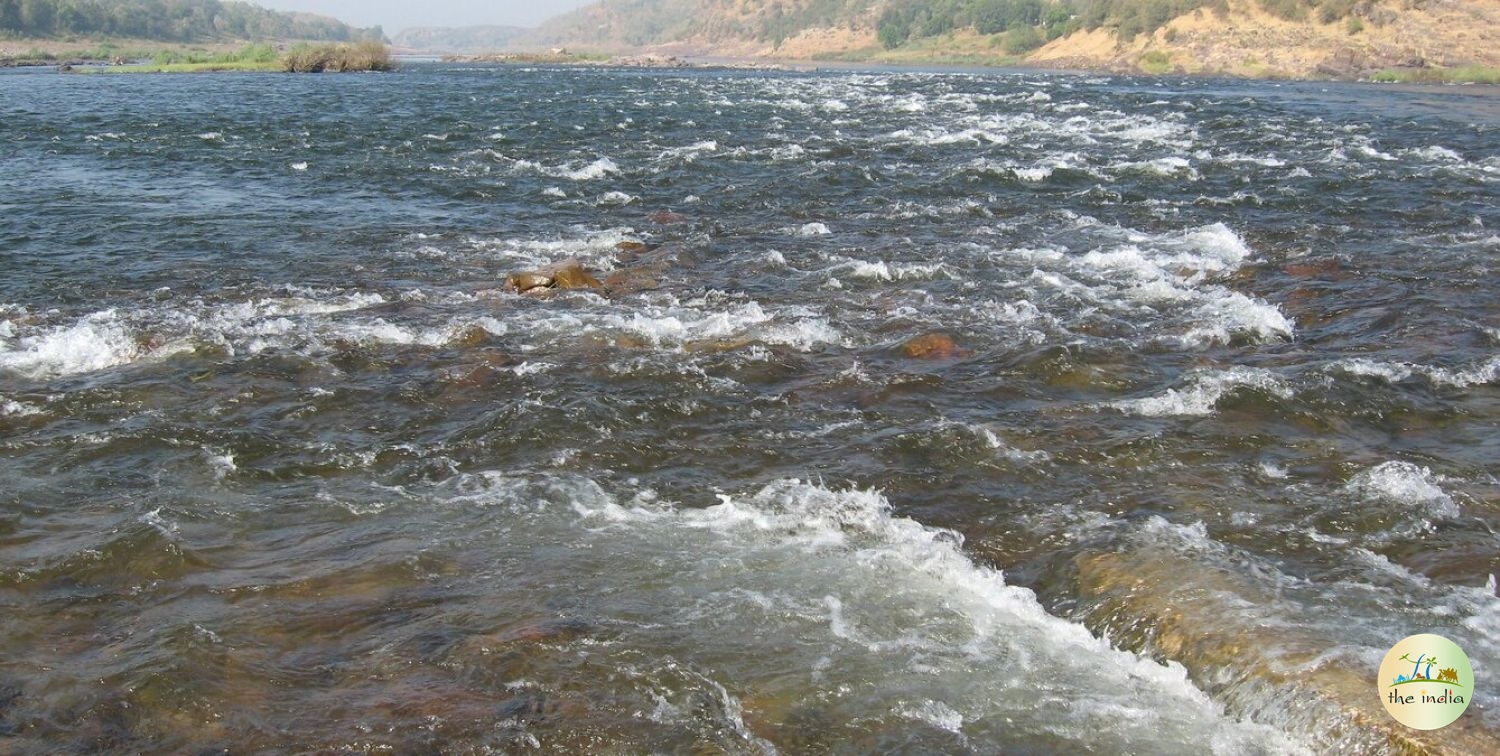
[1451, 41]
[140, 56]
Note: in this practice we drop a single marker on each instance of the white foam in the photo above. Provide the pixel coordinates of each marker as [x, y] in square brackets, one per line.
[813, 229]
[221, 462]
[162, 525]
[667, 323]
[96, 342]
[1034, 175]
[1233, 313]
[1174, 275]
[1203, 391]
[880, 270]
[935, 713]
[787, 153]
[16, 408]
[1009, 452]
[846, 596]
[380, 331]
[1239, 158]
[692, 151]
[1405, 484]
[1476, 374]
[598, 169]
[301, 166]
[1167, 166]
[1390, 372]
[1479, 374]
[1436, 153]
[615, 198]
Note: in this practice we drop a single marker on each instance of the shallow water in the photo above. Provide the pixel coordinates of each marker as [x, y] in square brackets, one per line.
[288, 467]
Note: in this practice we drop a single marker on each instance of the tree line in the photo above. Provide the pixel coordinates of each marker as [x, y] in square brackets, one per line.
[1028, 24]
[170, 20]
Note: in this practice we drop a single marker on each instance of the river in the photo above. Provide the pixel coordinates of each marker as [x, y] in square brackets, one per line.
[959, 412]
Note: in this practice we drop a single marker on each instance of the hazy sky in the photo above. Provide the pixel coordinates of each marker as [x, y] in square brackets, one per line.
[395, 15]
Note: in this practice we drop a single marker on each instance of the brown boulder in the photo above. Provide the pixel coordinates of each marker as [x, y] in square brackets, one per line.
[528, 281]
[568, 274]
[933, 346]
[571, 274]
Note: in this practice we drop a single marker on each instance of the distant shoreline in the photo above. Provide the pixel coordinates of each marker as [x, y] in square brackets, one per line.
[135, 55]
[936, 63]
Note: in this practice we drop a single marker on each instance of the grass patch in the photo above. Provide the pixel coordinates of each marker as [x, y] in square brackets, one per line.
[960, 49]
[363, 56]
[197, 67]
[249, 58]
[52, 52]
[248, 54]
[1460, 75]
[1155, 62]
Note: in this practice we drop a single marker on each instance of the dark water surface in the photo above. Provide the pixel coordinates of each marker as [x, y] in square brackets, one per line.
[287, 468]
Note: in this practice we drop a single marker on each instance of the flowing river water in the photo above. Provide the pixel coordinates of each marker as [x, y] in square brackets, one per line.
[925, 412]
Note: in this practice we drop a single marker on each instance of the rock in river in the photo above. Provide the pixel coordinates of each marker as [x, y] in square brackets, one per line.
[933, 346]
[568, 274]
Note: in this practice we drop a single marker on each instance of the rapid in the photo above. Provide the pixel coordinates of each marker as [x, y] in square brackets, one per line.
[947, 411]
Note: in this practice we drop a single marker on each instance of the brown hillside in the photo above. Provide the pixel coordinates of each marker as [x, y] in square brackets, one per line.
[1415, 38]
[1431, 35]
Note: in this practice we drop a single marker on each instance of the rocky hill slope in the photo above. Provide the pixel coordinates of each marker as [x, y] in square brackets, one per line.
[1436, 39]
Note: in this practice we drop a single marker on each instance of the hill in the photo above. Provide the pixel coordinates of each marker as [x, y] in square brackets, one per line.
[1437, 39]
[461, 40]
[178, 21]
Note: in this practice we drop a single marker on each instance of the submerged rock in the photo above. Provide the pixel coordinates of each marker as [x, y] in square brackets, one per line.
[668, 217]
[572, 275]
[933, 346]
[1174, 608]
[630, 281]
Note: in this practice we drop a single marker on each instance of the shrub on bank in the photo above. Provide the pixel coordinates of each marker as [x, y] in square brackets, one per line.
[361, 56]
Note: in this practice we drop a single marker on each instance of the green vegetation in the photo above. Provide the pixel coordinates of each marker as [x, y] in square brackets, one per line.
[904, 21]
[249, 54]
[361, 56]
[1156, 62]
[169, 20]
[249, 58]
[1020, 40]
[782, 22]
[304, 58]
[907, 20]
[1460, 75]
